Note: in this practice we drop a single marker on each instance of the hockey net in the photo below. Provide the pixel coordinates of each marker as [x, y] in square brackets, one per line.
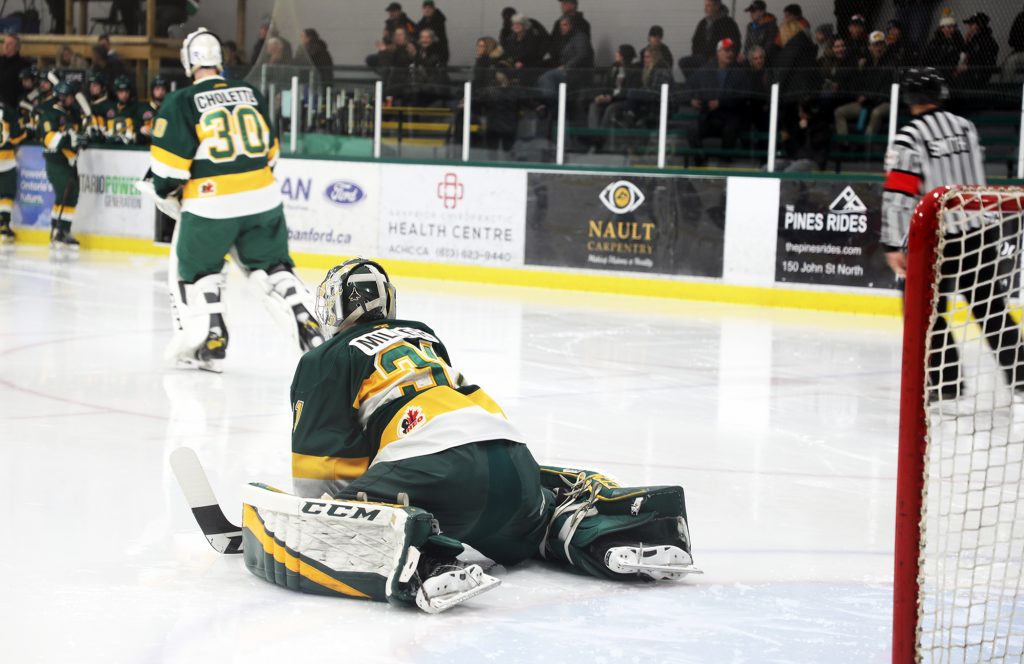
[958, 594]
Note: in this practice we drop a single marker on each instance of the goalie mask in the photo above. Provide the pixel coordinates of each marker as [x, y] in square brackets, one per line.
[201, 49]
[358, 290]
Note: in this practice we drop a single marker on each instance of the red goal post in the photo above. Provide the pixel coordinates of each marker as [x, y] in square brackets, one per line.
[959, 533]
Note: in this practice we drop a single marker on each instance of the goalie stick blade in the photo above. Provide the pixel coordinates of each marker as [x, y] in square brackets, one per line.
[223, 536]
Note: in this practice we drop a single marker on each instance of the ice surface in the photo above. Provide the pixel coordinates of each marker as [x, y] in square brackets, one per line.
[780, 425]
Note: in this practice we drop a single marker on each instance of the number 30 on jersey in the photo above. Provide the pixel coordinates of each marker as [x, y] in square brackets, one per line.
[229, 133]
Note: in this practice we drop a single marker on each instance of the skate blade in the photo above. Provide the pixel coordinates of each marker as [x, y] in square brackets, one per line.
[441, 604]
[213, 366]
[639, 568]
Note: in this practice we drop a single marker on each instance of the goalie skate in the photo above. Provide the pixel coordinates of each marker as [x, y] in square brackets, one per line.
[443, 591]
[659, 563]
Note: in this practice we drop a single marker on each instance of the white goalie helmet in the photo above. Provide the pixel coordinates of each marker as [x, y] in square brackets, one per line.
[357, 290]
[201, 49]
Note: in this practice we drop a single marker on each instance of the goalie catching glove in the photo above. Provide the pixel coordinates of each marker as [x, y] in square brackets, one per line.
[341, 548]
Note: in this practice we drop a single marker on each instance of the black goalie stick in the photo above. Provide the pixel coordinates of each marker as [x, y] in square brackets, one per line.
[223, 536]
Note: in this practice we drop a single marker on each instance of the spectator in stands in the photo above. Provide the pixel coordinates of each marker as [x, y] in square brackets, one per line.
[712, 29]
[857, 39]
[943, 51]
[429, 72]
[838, 72]
[871, 108]
[807, 147]
[644, 101]
[797, 72]
[397, 19]
[845, 10]
[558, 40]
[1016, 40]
[762, 31]
[276, 53]
[435, 20]
[400, 53]
[576, 54]
[656, 40]
[719, 91]
[234, 66]
[315, 54]
[1013, 66]
[981, 53]
[11, 65]
[795, 13]
[900, 51]
[761, 79]
[499, 117]
[111, 68]
[526, 47]
[266, 29]
[824, 36]
[68, 59]
[606, 107]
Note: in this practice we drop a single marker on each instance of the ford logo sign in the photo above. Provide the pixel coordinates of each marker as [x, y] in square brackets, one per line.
[344, 193]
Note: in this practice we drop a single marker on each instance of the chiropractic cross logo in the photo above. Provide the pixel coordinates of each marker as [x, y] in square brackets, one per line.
[450, 191]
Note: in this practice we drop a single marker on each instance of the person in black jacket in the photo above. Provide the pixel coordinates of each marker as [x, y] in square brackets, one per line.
[558, 40]
[525, 49]
[871, 106]
[981, 54]
[315, 53]
[716, 26]
[943, 51]
[656, 40]
[719, 91]
[11, 66]
[623, 76]
[434, 19]
[575, 56]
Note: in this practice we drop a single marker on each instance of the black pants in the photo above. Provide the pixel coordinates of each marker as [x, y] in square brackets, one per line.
[977, 266]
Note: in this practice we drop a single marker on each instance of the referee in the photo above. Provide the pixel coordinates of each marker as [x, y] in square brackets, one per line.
[939, 148]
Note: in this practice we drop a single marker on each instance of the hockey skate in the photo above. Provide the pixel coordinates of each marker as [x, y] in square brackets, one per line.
[450, 585]
[62, 242]
[210, 356]
[616, 532]
[7, 236]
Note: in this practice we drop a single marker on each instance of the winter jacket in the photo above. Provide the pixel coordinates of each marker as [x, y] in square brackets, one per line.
[710, 31]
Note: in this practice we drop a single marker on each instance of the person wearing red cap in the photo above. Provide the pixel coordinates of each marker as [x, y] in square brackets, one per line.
[719, 91]
[716, 26]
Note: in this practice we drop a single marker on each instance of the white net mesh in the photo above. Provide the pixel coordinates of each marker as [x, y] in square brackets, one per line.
[972, 542]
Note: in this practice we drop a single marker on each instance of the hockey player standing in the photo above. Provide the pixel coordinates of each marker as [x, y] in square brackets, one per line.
[934, 149]
[61, 131]
[11, 134]
[121, 126]
[379, 411]
[103, 108]
[146, 113]
[213, 150]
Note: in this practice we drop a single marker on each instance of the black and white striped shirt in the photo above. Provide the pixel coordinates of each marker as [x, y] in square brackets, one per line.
[934, 149]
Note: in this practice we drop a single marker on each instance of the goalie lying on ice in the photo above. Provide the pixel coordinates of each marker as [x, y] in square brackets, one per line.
[380, 412]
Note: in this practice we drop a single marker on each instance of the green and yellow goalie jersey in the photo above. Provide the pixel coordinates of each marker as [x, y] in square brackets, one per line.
[382, 391]
[215, 141]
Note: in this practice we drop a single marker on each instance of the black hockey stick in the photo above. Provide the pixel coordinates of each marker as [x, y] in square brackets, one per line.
[223, 536]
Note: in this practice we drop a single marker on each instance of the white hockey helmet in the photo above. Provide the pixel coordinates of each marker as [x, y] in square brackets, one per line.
[357, 290]
[201, 49]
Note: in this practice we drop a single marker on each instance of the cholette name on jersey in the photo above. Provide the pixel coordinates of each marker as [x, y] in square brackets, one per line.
[373, 342]
[228, 97]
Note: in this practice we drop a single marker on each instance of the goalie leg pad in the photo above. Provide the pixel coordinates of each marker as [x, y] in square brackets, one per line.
[355, 549]
[201, 335]
[616, 532]
[290, 304]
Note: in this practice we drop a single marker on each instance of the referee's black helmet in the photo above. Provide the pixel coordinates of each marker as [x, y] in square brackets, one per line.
[923, 85]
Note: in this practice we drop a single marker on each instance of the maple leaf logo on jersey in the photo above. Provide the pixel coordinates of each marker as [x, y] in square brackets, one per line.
[848, 201]
[208, 188]
[413, 418]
